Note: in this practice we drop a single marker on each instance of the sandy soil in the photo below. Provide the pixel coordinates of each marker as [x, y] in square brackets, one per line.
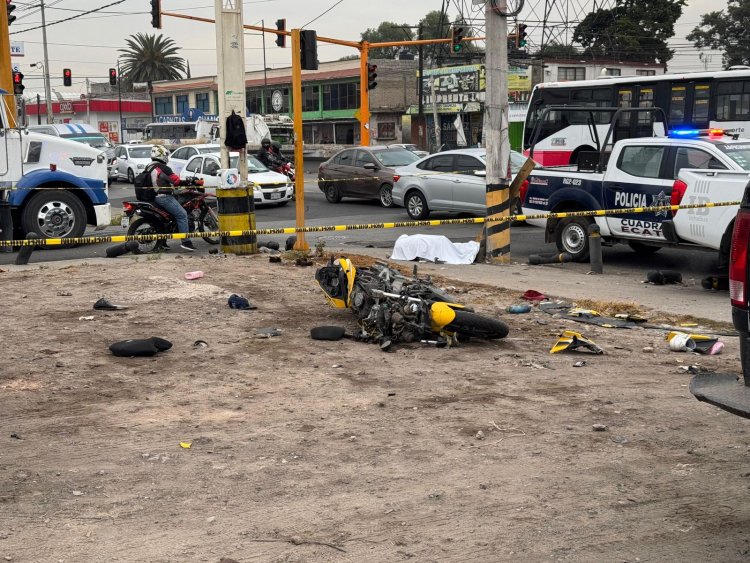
[336, 451]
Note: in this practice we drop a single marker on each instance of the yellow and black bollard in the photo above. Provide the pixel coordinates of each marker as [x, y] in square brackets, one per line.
[237, 213]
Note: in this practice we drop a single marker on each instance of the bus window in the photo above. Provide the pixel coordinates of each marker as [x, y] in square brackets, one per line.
[677, 106]
[701, 100]
[733, 101]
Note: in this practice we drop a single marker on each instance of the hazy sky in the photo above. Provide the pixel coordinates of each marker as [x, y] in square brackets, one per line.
[88, 45]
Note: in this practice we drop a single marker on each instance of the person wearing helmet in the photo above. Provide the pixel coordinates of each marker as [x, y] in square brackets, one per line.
[164, 180]
[266, 154]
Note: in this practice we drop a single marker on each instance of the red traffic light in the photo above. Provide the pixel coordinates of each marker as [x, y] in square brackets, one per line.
[17, 78]
[372, 74]
[18, 86]
[67, 77]
[113, 76]
[281, 37]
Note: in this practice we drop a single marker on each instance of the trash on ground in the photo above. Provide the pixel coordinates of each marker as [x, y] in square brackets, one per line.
[699, 343]
[329, 333]
[518, 309]
[267, 332]
[631, 317]
[88, 318]
[274, 259]
[186, 445]
[104, 305]
[238, 302]
[570, 340]
[200, 344]
[599, 427]
[539, 259]
[303, 261]
[534, 295]
[663, 277]
[194, 275]
[140, 347]
[434, 248]
[588, 316]
[579, 364]
[64, 293]
[716, 283]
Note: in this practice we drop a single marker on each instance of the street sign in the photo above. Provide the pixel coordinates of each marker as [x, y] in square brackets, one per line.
[17, 49]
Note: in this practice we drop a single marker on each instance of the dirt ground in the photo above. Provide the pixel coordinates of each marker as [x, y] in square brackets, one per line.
[335, 451]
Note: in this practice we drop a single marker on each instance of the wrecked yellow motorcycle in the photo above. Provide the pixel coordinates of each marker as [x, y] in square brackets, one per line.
[392, 308]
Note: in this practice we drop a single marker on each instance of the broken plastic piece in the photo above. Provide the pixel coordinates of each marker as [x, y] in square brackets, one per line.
[533, 295]
[570, 340]
[194, 275]
[186, 445]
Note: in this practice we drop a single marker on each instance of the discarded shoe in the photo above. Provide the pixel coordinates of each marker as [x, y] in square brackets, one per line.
[533, 295]
[140, 347]
[104, 305]
[238, 302]
[700, 343]
[570, 340]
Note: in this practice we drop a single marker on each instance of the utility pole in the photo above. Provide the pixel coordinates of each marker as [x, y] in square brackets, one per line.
[47, 88]
[119, 101]
[236, 206]
[38, 109]
[495, 134]
[88, 103]
[6, 72]
[435, 120]
[265, 72]
[420, 84]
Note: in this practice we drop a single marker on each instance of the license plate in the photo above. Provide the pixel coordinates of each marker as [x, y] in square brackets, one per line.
[125, 221]
[276, 195]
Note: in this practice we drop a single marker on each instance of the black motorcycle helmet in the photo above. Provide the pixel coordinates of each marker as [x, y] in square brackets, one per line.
[276, 145]
[265, 143]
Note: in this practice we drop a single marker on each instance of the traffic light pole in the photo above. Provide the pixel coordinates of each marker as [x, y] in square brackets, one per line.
[6, 70]
[364, 95]
[299, 158]
[495, 134]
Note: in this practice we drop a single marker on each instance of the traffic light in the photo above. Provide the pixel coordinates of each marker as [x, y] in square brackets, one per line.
[521, 35]
[457, 35]
[372, 74]
[156, 14]
[67, 77]
[11, 17]
[309, 49]
[18, 86]
[113, 77]
[281, 37]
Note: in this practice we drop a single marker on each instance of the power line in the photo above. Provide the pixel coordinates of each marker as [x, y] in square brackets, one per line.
[323, 14]
[70, 18]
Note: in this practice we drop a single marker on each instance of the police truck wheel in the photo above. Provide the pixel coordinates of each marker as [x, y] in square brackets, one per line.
[131, 176]
[643, 249]
[572, 236]
[54, 214]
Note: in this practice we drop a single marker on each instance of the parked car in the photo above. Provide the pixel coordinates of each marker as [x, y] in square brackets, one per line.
[447, 181]
[130, 160]
[362, 172]
[410, 147]
[726, 390]
[268, 187]
[178, 159]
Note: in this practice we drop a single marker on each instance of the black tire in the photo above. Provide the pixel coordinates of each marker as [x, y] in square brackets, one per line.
[386, 195]
[474, 325]
[54, 214]
[333, 195]
[144, 226]
[643, 249]
[416, 206]
[131, 176]
[572, 236]
[207, 223]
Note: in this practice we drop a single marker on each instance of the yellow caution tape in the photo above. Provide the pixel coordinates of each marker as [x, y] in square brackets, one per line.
[360, 227]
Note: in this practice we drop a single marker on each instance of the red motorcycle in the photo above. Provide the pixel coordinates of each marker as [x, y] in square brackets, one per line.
[147, 218]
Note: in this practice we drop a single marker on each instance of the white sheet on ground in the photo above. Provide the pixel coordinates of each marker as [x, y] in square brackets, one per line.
[430, 247]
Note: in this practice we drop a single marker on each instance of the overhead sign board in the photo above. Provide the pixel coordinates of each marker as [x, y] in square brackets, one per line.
[17, 49]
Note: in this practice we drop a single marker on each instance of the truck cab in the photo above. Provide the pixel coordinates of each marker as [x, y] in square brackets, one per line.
[53, 186]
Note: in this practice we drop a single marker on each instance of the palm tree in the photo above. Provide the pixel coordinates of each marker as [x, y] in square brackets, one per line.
[151, 57]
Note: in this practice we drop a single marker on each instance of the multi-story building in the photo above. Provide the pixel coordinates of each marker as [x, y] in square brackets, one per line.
[330, 99]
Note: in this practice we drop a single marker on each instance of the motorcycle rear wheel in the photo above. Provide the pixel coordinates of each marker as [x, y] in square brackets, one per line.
[477, 326]
[209, 223]
[144, 226]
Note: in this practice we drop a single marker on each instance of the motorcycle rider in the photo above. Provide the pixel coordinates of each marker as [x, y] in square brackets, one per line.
[267, 155]
[164, 181]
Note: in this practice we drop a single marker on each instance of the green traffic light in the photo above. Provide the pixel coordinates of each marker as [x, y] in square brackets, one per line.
[457, 48]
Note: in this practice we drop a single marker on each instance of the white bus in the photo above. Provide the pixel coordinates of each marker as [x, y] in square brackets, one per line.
[699, 100]
[179, 132]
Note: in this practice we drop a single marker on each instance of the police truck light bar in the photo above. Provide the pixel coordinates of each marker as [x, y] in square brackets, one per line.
[695, 133]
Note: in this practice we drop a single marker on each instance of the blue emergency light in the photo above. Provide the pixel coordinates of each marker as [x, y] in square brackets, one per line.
[694, 133]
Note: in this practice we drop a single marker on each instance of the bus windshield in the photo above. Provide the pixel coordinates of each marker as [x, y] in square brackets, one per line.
[185, 130]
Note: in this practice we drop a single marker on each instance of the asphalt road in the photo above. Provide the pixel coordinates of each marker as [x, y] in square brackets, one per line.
[525, 240]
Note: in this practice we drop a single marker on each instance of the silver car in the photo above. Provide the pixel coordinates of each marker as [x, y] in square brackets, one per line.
[410, 147]
[446, 181]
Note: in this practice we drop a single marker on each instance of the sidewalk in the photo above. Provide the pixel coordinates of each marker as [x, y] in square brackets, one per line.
[560, 280]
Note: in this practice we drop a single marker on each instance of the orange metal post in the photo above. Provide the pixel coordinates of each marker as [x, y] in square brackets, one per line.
[299, 163]
[6, 69]
[364, 96]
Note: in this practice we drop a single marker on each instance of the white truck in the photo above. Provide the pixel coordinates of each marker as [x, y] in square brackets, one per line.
[50, 186]
[640, 172]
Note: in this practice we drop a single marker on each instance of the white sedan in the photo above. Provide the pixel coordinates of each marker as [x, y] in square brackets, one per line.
[268, 187]
[179, 158]
[130, 160]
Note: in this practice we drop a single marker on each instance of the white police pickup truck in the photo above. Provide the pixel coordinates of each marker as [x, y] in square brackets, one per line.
[640, 172]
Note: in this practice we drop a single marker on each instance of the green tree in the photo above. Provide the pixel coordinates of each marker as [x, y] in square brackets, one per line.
[386, 32]
[149, 58]
[634, 30]
[437, 25]
[727, 31]
[556, 50]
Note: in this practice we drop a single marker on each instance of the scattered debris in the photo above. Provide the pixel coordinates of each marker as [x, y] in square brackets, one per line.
[599, 427]
[648, 350]
[64, 293]
[104, 305]
[716, 283]
[620, 440]
[579, 364]
[663, 277]
[238, 302]
[140, 347]
[15, 436]
[570, 340]
[88, 318]
[303, 261]
[267, 332]
[699, 343]
[213, 250]
[200, 344]
[186, 445]
[480, 435]
[534, 295]
[123, 248]
[275, 259]
[194, 275]
[518, 309]
[538, 259]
